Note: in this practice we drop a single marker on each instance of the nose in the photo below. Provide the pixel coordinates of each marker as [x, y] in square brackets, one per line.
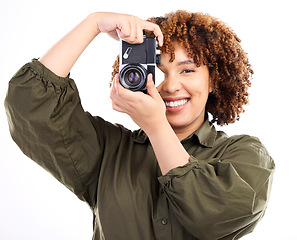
[170, 85]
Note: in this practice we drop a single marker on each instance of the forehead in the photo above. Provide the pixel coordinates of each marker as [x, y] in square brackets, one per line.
[181, 57]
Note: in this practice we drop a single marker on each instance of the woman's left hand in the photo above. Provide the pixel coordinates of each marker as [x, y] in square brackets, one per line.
[146, 110]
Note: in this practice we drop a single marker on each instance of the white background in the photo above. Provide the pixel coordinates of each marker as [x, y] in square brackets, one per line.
[33, 205]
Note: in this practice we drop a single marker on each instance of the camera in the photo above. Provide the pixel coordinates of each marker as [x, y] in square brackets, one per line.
[137, 61]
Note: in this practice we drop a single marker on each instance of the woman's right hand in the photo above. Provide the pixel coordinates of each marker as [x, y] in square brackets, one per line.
[127, 27]
[62, 56]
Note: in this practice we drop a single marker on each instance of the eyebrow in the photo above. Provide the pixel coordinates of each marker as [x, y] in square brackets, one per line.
[188, 61]
[184, 62]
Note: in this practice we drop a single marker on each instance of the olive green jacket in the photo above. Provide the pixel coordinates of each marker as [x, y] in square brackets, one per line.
[220, 194]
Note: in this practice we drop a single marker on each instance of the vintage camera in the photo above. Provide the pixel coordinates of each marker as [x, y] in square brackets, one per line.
[137, 61]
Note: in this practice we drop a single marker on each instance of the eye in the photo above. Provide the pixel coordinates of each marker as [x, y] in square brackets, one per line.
[187, 71]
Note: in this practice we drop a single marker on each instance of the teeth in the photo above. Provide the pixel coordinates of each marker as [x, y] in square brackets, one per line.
[176, 103]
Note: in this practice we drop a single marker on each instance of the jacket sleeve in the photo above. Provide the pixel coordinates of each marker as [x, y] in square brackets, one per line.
[223, 197]
[47, 122]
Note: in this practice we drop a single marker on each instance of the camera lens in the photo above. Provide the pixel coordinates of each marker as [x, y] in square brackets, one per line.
[133, 77]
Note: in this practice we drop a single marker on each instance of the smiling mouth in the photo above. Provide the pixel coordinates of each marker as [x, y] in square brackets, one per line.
[174, 104]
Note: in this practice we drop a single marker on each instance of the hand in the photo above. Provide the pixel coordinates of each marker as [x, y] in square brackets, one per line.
[146, 110]
[127, 27]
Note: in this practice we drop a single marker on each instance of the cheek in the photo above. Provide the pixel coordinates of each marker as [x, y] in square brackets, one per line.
[198, 89]
[201, 86]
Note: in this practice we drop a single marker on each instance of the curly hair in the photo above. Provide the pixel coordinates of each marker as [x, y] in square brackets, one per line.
[210, 42]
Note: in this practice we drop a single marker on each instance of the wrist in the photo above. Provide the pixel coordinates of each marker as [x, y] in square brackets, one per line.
[158, 128]
[167, 147]
[93, 20]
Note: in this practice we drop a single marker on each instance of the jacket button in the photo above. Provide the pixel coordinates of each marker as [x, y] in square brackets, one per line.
[164, 221]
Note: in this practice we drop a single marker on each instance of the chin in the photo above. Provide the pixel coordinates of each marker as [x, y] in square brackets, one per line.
[177, 124]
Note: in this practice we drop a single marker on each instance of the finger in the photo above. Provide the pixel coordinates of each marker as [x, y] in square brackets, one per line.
[139, 33]
[124, 30]
[121, 92]
[115, 35]
[113, 86]
[155, 29]
[117, 85]
[129, 31]
[112, 92]
[115, 100]
[133, 32]
[151, 88]
[114, 96]
[136, 30]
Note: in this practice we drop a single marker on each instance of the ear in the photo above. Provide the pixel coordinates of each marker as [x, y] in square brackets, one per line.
[210, 89]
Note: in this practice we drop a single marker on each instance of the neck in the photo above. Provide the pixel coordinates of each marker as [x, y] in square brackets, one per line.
[183, 132]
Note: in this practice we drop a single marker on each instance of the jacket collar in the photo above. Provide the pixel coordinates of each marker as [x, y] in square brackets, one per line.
[206, 134]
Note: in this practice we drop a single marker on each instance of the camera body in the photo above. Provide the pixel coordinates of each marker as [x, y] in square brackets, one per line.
[136, 62]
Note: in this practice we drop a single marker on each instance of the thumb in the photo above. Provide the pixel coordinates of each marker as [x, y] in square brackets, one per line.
[151, 88]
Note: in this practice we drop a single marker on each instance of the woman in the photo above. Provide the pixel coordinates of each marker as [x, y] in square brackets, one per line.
[176, 177]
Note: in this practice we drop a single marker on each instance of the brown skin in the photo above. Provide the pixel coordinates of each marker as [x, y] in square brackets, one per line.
[185, 91]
